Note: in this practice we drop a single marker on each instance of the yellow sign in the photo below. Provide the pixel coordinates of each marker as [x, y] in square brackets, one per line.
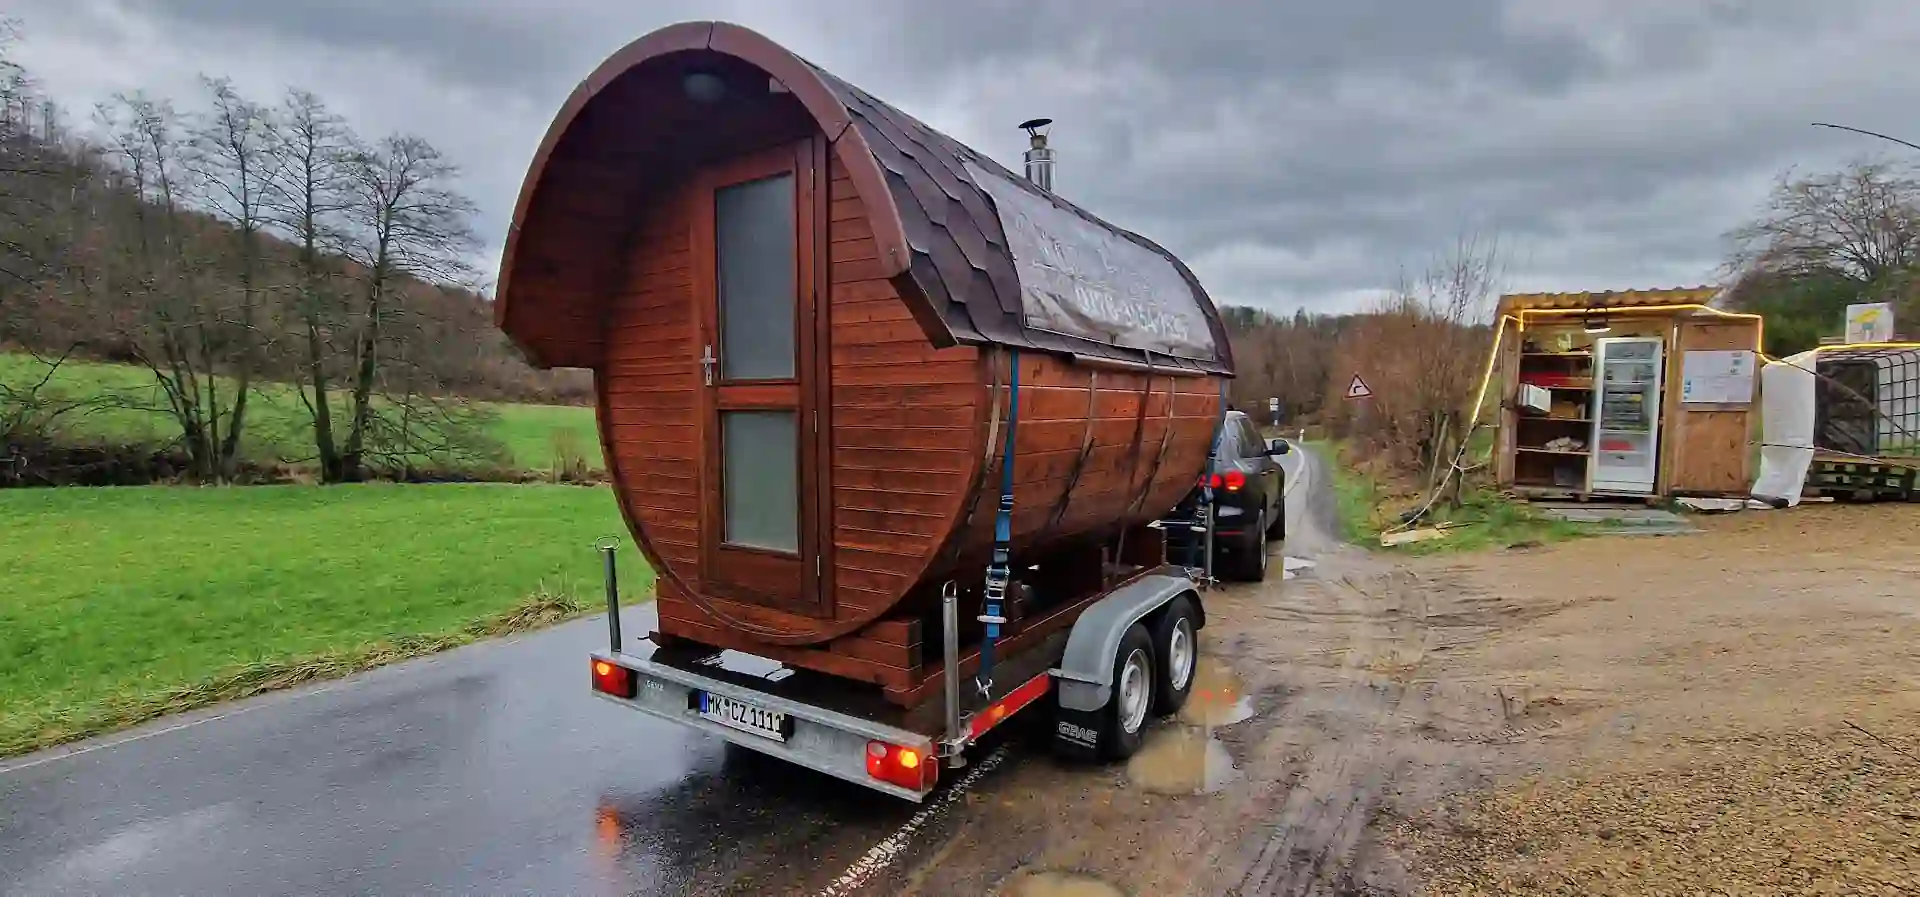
[1870, 322]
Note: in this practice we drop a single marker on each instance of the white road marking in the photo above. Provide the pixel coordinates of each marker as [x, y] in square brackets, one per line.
[1306, 471]
[887, 851]
[59, 754]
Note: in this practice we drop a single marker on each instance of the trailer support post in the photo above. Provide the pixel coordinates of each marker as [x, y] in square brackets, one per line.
[607, 548]
[950, 683]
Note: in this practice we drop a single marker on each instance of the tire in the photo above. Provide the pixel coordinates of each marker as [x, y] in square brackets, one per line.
[1123, 722]
[1248, 561]
[1176, 649]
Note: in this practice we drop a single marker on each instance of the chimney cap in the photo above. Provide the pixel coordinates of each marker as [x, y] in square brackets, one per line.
[1033, 124]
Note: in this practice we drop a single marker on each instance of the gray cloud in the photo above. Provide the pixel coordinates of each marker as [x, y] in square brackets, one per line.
[1295, 154]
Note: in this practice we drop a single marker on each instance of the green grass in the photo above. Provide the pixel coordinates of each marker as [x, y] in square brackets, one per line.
[278, 429]
[122, 604]
[1492, 521]
[1488, 520]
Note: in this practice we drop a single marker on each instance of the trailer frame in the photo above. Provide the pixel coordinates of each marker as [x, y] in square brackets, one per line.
[842, 731]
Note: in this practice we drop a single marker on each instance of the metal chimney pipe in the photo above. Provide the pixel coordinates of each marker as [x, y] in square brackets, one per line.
[1039, 157]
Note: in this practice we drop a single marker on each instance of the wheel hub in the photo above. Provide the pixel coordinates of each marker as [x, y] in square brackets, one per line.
[1180, 654]
[1135, 691]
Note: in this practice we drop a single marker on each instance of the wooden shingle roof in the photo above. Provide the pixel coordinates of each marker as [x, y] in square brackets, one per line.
[938, 229]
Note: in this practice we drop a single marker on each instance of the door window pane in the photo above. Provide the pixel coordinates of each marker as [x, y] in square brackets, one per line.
[754, 256]
[761, 483]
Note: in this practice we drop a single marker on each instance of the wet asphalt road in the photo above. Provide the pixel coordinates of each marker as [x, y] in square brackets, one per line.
[1313, 517]
[487, 770]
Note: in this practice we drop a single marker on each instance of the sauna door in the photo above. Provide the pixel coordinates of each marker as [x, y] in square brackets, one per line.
[755, 267]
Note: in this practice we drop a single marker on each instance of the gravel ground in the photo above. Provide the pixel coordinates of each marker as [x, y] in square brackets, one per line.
[1745, 716]
[1624, 715]
[1794, 812]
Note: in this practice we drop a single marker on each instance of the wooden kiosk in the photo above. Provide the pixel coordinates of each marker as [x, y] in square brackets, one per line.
[1625, 396]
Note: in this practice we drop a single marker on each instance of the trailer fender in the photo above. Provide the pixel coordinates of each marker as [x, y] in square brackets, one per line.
[1086, 669]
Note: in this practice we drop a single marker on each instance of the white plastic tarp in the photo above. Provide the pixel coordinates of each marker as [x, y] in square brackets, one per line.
[1786, 423]
[1080, 279]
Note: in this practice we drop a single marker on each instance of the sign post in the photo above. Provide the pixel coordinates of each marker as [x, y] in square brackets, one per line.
[1273, 409]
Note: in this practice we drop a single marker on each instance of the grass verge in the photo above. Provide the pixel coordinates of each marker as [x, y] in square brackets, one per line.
[1370, 505]
[124, 605]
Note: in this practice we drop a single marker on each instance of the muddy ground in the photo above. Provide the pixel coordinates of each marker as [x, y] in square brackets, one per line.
[1734, 712]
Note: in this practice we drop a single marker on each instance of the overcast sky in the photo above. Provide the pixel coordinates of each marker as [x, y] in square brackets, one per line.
[1295, 154]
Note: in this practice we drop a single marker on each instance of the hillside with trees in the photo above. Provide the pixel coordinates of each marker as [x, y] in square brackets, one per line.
[1825, 240]
[232, 246]
[230, 242]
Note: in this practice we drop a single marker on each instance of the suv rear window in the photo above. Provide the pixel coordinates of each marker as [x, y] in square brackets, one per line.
[1228, 445]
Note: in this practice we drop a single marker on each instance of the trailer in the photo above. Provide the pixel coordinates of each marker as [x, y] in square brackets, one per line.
[1123, 657]
[878, 411]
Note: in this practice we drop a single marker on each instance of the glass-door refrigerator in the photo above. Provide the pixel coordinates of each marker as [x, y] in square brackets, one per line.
[1626, 414]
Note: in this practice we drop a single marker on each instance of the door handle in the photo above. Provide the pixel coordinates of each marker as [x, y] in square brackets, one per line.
[707, 361]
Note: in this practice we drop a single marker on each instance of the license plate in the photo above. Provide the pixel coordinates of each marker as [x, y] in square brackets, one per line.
[743, 716]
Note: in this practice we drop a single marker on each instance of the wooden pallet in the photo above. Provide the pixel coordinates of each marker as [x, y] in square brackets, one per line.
[1863, 480]
[1569, 494]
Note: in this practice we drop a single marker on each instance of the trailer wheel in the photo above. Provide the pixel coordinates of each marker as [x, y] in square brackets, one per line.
[1176, 651]
[1124, 723]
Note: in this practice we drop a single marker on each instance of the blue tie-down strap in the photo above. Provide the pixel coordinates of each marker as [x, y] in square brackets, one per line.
[999, 571]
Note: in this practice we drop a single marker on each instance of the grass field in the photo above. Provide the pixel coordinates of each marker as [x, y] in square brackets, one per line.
[278, 426]
[122, 604]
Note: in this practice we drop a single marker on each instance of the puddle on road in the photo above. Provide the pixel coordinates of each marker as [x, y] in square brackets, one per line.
[1057, 884]
[1218, 698]
[1180, 760]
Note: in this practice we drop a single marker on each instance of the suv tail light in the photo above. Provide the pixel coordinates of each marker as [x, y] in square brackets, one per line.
[1231, 481]
[907, 767]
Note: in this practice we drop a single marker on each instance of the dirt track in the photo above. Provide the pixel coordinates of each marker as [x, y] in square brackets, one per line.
[1733, 712]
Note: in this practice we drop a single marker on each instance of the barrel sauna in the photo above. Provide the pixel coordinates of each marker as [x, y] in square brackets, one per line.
[806, 312]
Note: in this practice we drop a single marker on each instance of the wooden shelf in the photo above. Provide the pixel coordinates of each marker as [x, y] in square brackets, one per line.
[1585, 385]
[1556, 354]
[1582, 453]
[1557, 420]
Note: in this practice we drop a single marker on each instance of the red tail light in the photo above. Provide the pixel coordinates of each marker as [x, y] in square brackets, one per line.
[907, 767]
[612, 679]
[1231, 482]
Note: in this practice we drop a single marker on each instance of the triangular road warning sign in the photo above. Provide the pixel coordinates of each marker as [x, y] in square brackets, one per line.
[1358, 388]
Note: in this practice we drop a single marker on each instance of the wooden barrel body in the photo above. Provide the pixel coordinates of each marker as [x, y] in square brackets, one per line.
[807, 314]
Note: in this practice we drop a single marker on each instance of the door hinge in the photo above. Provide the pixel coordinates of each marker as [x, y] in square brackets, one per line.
[816, 422]
[816, 567]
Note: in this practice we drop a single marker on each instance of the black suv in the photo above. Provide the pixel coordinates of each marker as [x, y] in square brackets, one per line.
[1248, 499]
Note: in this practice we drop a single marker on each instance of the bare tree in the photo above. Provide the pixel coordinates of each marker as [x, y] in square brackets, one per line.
[306, 201]
[1861, 223]
[157, 275]
[233, 157]
[408, 225]
[1421, 352]
[24, 166]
